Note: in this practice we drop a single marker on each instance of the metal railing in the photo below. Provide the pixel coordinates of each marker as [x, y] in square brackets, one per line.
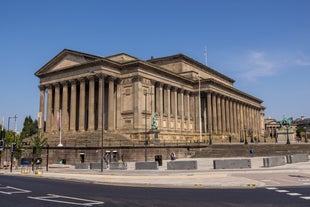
[130, 144]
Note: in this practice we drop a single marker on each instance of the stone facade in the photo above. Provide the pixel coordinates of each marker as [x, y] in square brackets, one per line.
[192, 101]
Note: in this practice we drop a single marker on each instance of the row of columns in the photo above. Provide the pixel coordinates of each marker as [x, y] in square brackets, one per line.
[224, 115]
[80, 101]
[81, 109]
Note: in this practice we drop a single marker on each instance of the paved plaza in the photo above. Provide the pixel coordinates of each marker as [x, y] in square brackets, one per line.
[205, 176]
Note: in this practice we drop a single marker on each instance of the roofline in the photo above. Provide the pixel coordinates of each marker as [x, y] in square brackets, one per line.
[195, 62]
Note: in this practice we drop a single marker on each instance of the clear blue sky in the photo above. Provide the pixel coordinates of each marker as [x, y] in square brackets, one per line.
[264, 45]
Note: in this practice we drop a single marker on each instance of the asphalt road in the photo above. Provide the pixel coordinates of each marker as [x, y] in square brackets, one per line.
[28, 191]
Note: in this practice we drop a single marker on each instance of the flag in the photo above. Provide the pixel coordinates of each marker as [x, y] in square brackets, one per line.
[39, 120]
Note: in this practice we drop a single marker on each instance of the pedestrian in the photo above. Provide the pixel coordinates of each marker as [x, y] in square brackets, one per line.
[172, 156]
[251, 152]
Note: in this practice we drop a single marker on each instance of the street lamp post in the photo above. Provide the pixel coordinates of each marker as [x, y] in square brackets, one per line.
[306, 140]
[12, 147]
[145, 131]
[102, 117]
[287, 138]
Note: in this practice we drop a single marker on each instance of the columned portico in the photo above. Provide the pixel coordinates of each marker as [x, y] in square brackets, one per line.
[173, 97]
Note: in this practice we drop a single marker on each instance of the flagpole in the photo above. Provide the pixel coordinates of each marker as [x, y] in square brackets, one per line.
[59, 121]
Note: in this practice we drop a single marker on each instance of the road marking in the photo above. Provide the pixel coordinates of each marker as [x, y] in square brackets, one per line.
[306, 198]
[294, 194]
[11, 190]
[67, 200]
[282, 191]
[272, 188]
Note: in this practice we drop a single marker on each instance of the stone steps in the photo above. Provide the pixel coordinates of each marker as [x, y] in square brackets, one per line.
[241, 150]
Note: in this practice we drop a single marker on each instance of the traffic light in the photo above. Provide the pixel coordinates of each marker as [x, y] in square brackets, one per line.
[13, 147]
[2, 134]
[1, 145]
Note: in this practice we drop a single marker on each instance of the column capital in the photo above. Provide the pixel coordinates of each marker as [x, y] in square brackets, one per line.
[73, 81]
[186, 92]
[42, 87]
[100, 75]
[82, 79]
[91, 77]
[173, 88]
[167, 86]
[180, 90]
[137, 78]
[111, 78]
[153, 82]
[159, 84]
[49, 86]
[64, 83]
[56, 84]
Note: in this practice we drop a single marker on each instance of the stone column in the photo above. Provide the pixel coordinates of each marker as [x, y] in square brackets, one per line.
[153, 98]
[41, 110]
[187, 110]
[227, 115]
[231, 116]
[234, 117]
[214, 114]
[223, 115]
[167, 105]
[64, 110]
[204, 112]
[238, 118]
[181, 108]
[56, 106]
[119, 98]
[91, 103]
[49, 116]
[175, 107]
[209, 112]
[100, 104]
[160, 103]
[111, 108]
[138, 96]
[219, 114]
[82, 105]
[73, 106]
[192, 111]
[196, 110]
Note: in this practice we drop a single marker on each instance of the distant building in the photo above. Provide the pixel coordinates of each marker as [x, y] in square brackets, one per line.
[271, 129]
[302, 126]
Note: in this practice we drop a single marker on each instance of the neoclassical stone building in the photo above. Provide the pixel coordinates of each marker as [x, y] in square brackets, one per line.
[192, 101]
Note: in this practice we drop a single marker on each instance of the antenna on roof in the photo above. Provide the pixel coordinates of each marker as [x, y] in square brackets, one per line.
[205, 55]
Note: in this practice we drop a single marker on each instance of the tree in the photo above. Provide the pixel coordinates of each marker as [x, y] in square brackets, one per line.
[38, 142]
[30, 127]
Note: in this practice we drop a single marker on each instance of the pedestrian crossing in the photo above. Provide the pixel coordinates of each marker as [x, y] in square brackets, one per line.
[289, 193]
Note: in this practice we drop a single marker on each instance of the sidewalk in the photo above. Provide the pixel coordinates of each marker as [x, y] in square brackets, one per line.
[204, 177]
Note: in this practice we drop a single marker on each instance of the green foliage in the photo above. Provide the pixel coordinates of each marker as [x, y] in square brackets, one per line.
[38, 142]
[30, 127]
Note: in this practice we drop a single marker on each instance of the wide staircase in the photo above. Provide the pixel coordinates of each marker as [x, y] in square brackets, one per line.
[89, 139]
[241, 150]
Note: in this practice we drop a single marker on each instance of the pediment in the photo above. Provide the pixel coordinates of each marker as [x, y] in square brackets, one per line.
[65, 59]
[121, 58]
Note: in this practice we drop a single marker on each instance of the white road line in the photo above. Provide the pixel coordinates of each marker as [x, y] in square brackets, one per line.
[71, 200]
[11, 190]
[294, 194]
[282, 191]
[272, 188]
[306, 198]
